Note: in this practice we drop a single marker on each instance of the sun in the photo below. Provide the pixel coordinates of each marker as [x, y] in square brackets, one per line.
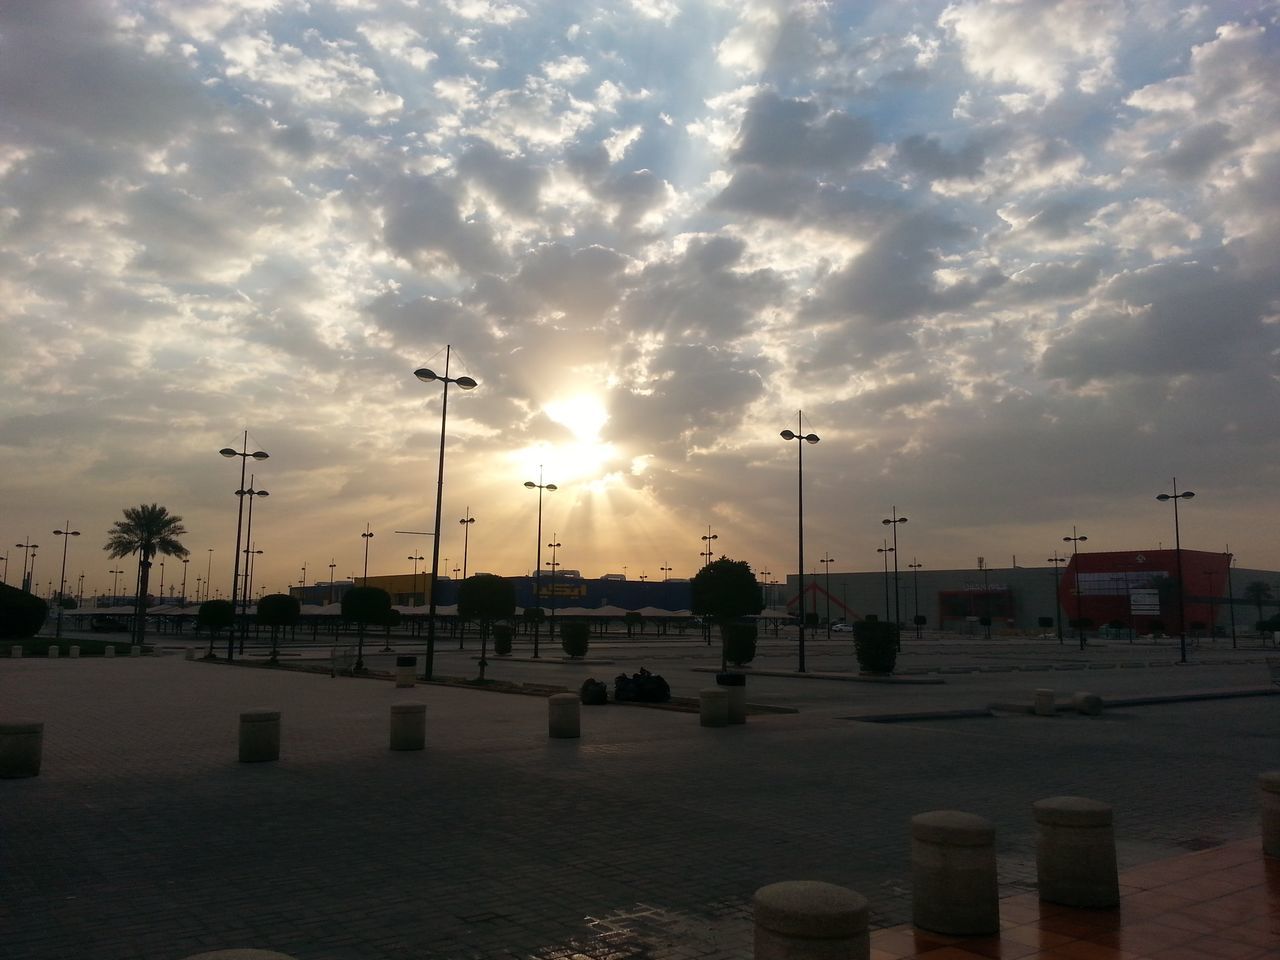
[583, 459]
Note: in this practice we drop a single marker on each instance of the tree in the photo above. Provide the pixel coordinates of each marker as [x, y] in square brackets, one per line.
[365, 605]
[575, 638]
[485, 597]
[634, 620]
[726, 591]
[278, 610]
[1258, 592]
[146, 530]
[21, 613]
[215, 615]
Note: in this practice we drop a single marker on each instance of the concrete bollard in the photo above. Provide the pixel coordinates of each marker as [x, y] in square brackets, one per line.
[1089, 704]
[953, 869]
[1269, 788]
[21, 744]
[713, 706]
[239, 955]
[1044, 706]
[408, 726]
[735, 684]
[563, 716]
[259, 736]
[73, 651]
[109, 650]
[810, 920]
[15, 650]
[1076, 852]
[191, 653]
[405, 670]
[53, 653]
[135, 651]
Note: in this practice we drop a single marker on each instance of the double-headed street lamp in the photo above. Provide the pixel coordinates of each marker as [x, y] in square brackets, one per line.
[914, 566]
[1177, 546]
[244, 456]
[893, 520]
[554, 545]
[463, 383]
[415, 558]
[826, 562]
[706, 545]
[366, 537]
[886, 550]
[666, 572]
[1057, 597]
[185, 561]
[28, 549]
[801, 439]
[66, 533]
[114, 575]
[466, 522]
[537, 570]
[252, 494]
[1075, 540]
[332, 567]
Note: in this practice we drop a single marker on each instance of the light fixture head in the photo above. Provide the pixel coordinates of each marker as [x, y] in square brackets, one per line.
[425, 375]
[552, 486]
[262, 493]
[787, 435]
[465, 383]
[1186, 494]
[530, 484]
[260, 455]
[227, 452]
[811, 438]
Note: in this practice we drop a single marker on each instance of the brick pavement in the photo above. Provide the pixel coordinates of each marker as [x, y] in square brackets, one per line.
[143, 838]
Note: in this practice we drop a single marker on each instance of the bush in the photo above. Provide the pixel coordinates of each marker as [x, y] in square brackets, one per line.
[21, 613]
[574, 638]
[740, 643]
[502, 639]
[593, 693]
[876, 645]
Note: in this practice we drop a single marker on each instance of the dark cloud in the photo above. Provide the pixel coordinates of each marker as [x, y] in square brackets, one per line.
[512, 180]
[1195, 151]
[1063, 215]
[631, 193]
[583, 284]
[793, 134]
[422, 221]
[926, 156]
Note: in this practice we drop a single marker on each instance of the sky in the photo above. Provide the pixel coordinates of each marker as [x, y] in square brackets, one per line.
[1016, 262]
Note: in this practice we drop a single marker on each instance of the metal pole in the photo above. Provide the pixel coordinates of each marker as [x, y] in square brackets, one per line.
[235, 566]
[429, 666]
[1231, 600]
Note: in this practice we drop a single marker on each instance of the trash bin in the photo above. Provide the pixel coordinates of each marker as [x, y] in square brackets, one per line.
[737, 690]
[406, 667]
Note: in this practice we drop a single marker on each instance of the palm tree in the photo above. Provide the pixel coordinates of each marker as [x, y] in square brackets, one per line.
[146, 531]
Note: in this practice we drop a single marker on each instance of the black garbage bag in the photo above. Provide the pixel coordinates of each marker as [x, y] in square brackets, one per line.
[642, 687]
[593, 692]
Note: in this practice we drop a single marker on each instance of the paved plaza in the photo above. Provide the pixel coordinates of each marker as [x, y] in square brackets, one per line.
[143, 837]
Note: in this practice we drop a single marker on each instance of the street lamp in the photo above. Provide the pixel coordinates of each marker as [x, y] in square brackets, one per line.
[114, 575]
[466, 522]
[162, 581]
[886, 550]
[208, 571]
[1177, 545]
[1231, 600]
[250, 556]
[801, 439]
[1057, 597]
[185, 561]
[366, 537]
[826, 562]
[914, 566]
[332, 566]
[666, 573]
[464, 383]
[66, 535]
[1075, 541]
[554, 545]
[537, 570]
[415, 559]
[893, 522]
[251, 493]
[706, 544]
[244, 456]
[27, 548]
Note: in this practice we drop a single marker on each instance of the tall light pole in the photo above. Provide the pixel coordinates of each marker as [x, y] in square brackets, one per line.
[252, 494]
[27, 549]
[1057, 596]
[415, 558]
[893, 520]
[706, 545]
[208, 571]
[826, 562]
[162, 581]
[801, 439]
[463, 383]
[914, 566]
[1231, 600]
[1075, 540]
[66, 533]
[244, 456]
[114, 575]
[366, 537]
[666, 572]
[466, 522]
[1177, 545]
[886, 550]
[185, 561]
[332, 567]
[554, 545]
[537, 570]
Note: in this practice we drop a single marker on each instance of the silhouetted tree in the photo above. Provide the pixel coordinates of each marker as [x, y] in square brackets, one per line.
[278, 610]
[146, 530]
[724, 591]
[486, 598]
[21, 613]
[365, 605]
[215, 615]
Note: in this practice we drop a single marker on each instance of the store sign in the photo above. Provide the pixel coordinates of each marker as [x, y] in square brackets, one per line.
[1144, 603]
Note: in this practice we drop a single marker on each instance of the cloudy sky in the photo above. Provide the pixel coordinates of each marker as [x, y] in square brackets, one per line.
[1016, 262]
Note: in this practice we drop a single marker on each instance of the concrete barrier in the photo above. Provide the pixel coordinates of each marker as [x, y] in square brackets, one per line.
[21, 747]
[259, 736]
[713, 706]
[563, 716]
[1089, 704]
[1076, 852]
[1043, 704]
[953, 870]
[406, 666]
[191, 653]
[135, 651]
[735, 684]
[1269, 790]
[73, 651]
[53, 652]
[15, 650]
[408, 726]
[810, 920]
[109, 650]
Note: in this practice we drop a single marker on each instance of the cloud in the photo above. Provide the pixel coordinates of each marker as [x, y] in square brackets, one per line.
[780, 133]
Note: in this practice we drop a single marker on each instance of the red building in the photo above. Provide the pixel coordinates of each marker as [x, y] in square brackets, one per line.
[1135, 588]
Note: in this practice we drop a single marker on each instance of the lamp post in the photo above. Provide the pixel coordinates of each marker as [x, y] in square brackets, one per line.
[4, 578]
[886, 550]
[199, 581]
[332, 566]
[801, 439]
[826, 562]
[1057, 597]
[366, 537]
[1213, 606]
[80, 589]
[66, 533]
[554, 545]
[537, 570]
[415, 558]
[706, 544]
[252, 494]
[666, 572]
[463, 383]
[466, 522]
[1075, 540]
[162, 581]
[244, 456]
[27, 549]
[114, 575]
[303, 582]
[185, 561]
[893, 520]
[986, 596]
[251, 553]
[914, 566]
[1177, 546]
[764, 580]
[208, 570]
[1231, 600]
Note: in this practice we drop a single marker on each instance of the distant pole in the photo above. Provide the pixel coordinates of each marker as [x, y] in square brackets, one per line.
[915, 566]
[1057, 596]
[1231, 600]
[1075, 540]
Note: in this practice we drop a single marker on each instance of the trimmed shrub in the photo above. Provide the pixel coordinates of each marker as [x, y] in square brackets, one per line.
[876, 645]
[574, 638]
[739, 643]
[502, 639]
[21, 613]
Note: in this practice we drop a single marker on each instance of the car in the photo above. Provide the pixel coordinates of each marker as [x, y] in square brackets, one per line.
[100, 624]
[842, 627]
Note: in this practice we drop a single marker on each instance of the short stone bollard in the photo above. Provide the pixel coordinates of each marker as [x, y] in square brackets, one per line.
[73, 651]
[240, 955]
[259, 736]
[109, 650]
[735, 684]
[1269, 789]
[405, 669]
[953, 870]
[21, 744]
[810, 920]
[1089, 704]
[1076, 852]
[563, 716]
[713, 707]
[53, 652]
[135, 651]
[15, 650]
[1044, 703]
[408, 726]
